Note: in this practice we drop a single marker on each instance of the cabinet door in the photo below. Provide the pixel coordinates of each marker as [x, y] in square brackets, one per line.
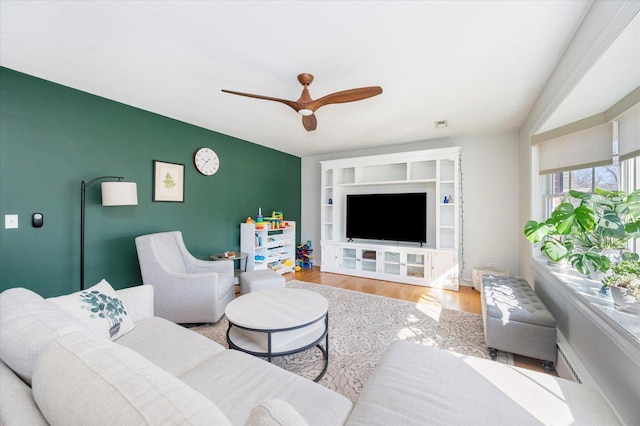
[391, 262]
[444, 270]
[417, 265]
[348, 258]
[329, 257]
[368, 260]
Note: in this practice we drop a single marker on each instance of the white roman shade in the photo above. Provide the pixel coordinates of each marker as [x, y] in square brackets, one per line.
[589, 142]
[629, 133]
[590, 147]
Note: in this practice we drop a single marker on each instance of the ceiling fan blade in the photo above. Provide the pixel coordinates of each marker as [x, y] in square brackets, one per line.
[309, 122]
[295, 105]
[350, 95]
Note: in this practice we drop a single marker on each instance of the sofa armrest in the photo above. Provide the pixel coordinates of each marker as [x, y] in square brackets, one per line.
[138, 301]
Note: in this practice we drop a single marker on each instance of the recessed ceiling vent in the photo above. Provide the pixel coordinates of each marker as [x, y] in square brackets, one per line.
[441, 123]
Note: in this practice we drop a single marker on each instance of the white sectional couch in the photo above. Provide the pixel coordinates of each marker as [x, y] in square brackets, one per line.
[56, 370]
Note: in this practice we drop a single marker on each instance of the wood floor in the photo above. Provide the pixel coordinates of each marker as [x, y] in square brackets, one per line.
[466, 299]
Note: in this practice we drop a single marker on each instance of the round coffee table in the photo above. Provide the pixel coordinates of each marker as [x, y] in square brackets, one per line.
[279, 322]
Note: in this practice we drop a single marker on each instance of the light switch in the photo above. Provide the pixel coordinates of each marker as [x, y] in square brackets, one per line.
[10, 221]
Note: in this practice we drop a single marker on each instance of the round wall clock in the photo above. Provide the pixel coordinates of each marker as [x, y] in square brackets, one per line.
[206, 161]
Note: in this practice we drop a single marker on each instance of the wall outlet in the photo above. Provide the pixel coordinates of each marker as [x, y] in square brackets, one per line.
[491, 264]
[10, 221]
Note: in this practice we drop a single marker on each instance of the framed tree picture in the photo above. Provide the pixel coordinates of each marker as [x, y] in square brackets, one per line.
[168, 182]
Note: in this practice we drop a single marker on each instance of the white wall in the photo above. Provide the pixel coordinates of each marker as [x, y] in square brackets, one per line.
[604, 21]
[490, 197]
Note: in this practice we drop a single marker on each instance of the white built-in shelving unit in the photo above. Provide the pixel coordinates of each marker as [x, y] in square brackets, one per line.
[436, 172]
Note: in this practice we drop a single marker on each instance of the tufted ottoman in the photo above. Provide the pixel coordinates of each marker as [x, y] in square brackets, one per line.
[264, 279]
[515, 320]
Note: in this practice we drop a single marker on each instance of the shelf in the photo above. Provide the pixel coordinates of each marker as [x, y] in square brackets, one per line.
[390, 182]
[278, 246]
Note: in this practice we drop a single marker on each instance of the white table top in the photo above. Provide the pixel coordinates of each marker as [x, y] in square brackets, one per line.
[277, 309]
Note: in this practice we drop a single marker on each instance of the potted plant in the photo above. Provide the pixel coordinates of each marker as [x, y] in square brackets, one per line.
[589, 230]
[624, 284]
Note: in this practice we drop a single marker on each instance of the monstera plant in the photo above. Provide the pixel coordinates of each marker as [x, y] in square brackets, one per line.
[586, 226]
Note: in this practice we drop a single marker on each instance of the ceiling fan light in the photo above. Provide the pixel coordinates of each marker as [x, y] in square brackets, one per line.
[305, 112]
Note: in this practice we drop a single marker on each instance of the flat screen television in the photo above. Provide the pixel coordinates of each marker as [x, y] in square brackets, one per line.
[391, 217]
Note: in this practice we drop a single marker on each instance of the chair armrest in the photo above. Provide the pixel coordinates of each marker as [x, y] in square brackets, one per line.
[219, 266]
[138, 301]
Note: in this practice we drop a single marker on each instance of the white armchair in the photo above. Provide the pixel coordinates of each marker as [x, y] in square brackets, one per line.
[187, 289]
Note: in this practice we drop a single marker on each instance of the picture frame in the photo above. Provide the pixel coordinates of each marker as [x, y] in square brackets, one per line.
[168, 182]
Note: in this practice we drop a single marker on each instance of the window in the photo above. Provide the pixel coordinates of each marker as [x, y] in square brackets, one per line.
[629, 182]
[557, 185]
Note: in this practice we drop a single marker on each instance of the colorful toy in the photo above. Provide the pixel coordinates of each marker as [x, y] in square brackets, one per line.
[259, 220]
[303, 255]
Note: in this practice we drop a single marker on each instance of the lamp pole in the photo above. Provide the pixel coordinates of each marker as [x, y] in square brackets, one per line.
[83, 187]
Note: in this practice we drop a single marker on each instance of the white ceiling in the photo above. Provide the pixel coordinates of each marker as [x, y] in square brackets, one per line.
[478, 64]
[611, 78]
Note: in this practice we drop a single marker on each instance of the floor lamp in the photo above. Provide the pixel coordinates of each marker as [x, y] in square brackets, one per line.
[113, 194]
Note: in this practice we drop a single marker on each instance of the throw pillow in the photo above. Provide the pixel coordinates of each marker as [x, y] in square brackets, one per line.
[275, 412]
[100, 308]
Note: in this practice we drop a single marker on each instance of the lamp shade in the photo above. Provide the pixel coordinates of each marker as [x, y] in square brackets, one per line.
[119, 194]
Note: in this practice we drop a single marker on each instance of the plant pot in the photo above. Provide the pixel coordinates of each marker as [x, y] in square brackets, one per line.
[624, 300]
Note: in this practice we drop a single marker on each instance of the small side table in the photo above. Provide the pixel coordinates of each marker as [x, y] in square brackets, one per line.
[238, 256]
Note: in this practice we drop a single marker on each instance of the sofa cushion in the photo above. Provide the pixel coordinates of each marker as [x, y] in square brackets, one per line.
[418, 385]
[275, 412]
[254, 380]
[24, 313]
[170, 346]
[83, 380]
[17, 407]
[99, 308]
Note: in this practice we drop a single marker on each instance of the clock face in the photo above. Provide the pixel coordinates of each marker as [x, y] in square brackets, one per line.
[206, 161]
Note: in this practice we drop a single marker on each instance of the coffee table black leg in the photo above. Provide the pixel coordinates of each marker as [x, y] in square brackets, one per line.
[325, 350]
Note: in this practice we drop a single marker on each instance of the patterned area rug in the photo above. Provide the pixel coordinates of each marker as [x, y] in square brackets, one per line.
[361, 327]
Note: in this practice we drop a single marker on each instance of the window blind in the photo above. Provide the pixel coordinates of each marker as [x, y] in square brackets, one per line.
[629, 133]
[590, 147]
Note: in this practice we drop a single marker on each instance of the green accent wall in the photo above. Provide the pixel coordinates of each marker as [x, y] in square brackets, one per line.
[53, 137]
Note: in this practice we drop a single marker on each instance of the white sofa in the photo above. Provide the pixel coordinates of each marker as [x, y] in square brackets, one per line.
[55, 370]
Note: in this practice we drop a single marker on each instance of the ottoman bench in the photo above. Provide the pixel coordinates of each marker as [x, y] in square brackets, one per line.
[515, 320]
[262, 279]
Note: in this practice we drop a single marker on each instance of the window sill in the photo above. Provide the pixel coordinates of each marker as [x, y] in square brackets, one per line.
[586, 293]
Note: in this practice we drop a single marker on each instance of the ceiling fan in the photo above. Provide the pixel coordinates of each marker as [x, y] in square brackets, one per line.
[306, 106]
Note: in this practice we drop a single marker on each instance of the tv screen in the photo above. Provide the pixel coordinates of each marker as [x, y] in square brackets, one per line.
[391, 217]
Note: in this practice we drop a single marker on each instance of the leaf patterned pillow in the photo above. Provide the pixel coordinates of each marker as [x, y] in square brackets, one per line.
[100, 308]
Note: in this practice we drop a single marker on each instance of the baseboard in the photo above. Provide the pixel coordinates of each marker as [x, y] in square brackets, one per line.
[564, 367]
[570, 367]
[575, 369]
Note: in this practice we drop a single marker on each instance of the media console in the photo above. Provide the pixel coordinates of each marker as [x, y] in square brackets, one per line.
[410, 265]
[434, 172]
